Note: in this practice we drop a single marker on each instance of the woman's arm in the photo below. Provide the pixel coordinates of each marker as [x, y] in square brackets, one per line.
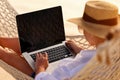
[41, 66]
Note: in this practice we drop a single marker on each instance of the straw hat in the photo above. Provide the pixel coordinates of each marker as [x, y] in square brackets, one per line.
[99, 18]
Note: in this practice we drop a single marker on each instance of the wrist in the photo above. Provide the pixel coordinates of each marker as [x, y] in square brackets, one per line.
[40, 69]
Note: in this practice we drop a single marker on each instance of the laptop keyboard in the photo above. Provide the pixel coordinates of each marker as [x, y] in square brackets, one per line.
[56, 53]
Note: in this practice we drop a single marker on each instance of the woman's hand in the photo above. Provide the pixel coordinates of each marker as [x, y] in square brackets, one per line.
[73, 47]
[41, 62]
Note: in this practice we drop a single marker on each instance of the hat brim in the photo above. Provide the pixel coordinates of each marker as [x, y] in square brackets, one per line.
[95, 29]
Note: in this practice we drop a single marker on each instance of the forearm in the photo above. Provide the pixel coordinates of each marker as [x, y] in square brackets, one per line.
[40, 70]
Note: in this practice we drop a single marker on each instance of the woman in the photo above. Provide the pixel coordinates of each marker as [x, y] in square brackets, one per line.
[99, 18]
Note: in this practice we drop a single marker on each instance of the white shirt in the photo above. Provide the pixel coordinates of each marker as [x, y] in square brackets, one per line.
[68, 67]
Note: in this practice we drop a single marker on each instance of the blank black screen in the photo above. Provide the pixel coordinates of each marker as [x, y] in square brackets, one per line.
[40, 29]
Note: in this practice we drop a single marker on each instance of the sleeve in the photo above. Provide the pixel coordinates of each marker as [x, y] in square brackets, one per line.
[44, 76]
[70, 67]
[79, 62]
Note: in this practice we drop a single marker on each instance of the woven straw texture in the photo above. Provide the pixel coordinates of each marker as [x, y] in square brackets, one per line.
[105, 65]
[7, 20]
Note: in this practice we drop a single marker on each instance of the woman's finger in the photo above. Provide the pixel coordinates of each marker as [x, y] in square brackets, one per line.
[37, 56]
[45, 55]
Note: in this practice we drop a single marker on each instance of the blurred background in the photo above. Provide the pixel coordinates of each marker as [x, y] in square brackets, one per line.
[71, 8]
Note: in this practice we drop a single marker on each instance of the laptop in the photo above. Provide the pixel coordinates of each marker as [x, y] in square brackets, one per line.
[42, 31]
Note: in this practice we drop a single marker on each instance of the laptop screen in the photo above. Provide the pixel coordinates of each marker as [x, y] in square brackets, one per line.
[40, 29]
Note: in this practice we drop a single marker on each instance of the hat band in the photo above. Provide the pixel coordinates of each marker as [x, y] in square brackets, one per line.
[109, 22]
